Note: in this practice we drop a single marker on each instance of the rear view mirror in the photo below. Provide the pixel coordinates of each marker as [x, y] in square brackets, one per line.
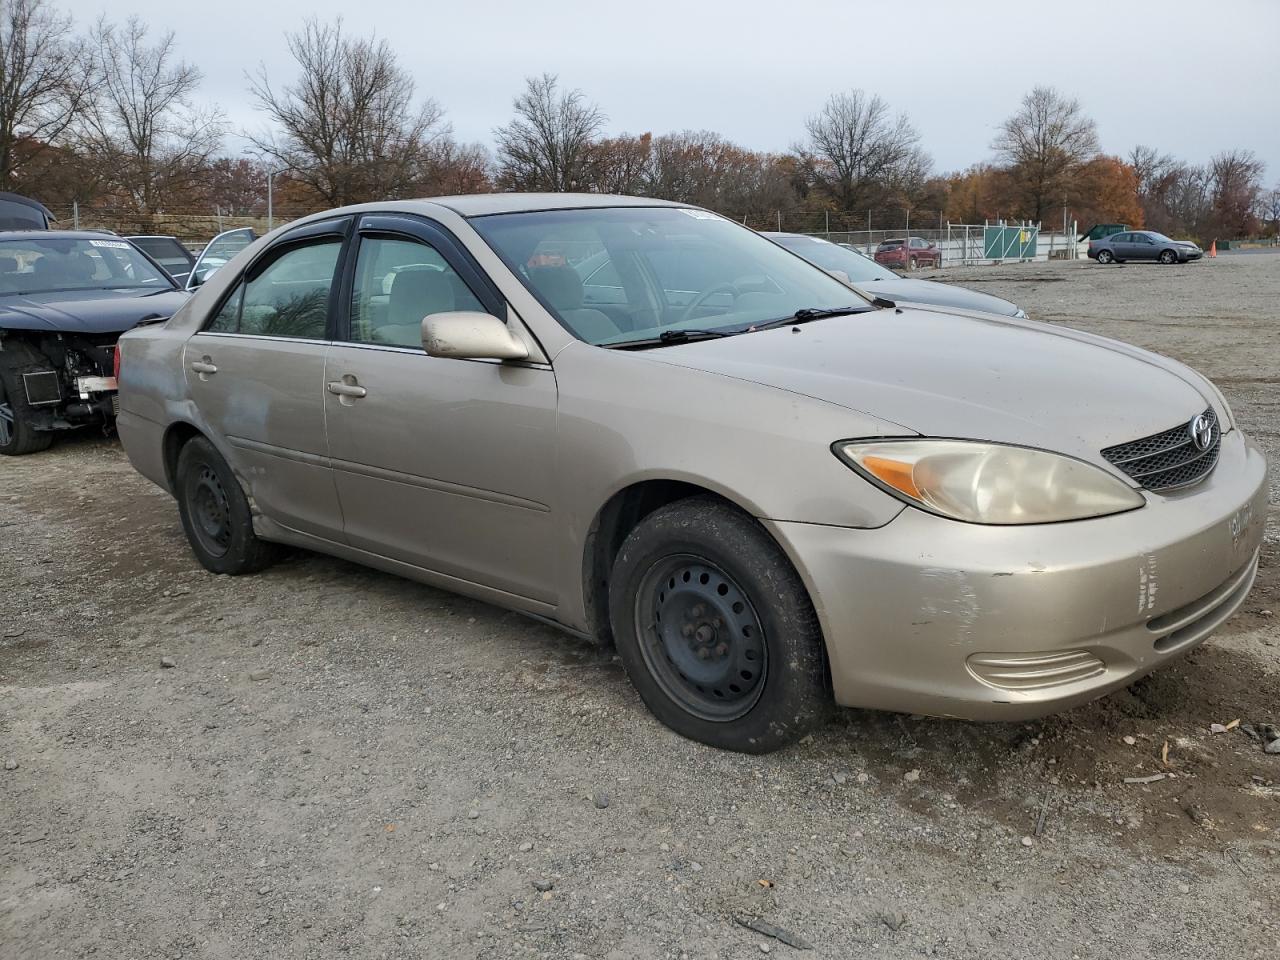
[470, 335]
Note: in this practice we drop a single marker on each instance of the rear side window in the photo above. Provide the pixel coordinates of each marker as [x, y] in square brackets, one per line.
[290, 298]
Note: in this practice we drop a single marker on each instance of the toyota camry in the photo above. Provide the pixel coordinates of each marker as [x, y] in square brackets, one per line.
[770, 493]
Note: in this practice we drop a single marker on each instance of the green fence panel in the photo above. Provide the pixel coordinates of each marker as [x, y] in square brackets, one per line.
[1009, 243]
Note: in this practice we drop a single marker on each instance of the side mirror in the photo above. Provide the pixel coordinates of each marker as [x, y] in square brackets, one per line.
[840, 275]
[469, 335]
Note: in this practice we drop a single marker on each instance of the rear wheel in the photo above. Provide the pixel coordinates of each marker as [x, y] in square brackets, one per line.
[715, 628]
[912, 264]
[215, 513]
[17, 434]
[1168, 256]
[1106, 256]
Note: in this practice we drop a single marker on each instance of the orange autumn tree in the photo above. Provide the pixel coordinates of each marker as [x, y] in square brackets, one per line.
[1106, 191]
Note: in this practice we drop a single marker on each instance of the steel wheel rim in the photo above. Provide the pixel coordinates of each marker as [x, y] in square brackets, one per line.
[701, 638]
[211, 511]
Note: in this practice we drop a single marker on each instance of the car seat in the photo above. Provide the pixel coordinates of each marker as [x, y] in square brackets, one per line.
[561, 287]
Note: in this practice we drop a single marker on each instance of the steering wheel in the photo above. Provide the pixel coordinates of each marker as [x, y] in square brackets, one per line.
[706, 295]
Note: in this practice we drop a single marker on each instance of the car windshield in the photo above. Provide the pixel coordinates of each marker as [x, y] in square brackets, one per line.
[616, 275]
[56, 264]
[832, 256]
[1160, 237]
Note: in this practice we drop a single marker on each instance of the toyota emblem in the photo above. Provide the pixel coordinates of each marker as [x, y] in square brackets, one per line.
[1201, 430]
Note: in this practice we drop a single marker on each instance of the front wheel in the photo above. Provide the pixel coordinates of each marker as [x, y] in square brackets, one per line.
[912, 264]
[17, 434]
[1168, 256]
[715, 628]
[215, 513]
[1106, 256]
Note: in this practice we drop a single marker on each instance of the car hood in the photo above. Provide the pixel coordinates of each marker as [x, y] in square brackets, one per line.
[87, 311]
[951, 375]
[939, 294]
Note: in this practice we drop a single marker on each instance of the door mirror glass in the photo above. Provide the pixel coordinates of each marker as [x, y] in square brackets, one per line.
[470, 335]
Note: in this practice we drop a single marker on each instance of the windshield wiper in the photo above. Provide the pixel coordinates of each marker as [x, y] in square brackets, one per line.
[669, 338]
[807, 315]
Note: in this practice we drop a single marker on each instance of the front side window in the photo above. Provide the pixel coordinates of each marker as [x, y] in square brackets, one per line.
[398, 282]
[290, 298]
[669, 269]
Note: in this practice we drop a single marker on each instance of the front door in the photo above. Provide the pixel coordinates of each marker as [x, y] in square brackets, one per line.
[442, 463]
[256, 373]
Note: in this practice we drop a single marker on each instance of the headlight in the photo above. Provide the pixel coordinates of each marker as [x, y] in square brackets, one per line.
[989, 482]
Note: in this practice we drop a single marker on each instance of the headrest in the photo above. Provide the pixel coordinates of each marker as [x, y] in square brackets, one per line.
[418, 293]
[560, 285]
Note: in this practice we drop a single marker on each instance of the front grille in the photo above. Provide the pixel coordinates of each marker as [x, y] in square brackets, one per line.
[1165, 461]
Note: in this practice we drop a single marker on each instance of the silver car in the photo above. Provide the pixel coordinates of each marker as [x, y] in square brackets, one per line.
[876, 281]
[1142, 245]
[768, 491]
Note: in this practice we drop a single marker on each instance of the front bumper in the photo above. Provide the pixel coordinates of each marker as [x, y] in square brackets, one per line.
[929, 615]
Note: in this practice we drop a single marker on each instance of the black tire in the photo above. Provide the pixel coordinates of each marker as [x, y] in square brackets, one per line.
[1106, 256]
[17, 435]
[215, 513]
[739, 661]
[1168, 256]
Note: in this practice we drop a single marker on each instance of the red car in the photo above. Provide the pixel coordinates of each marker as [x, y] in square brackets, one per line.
[909, 254]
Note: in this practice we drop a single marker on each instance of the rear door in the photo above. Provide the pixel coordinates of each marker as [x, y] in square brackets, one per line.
[442, 463]
[256, 372]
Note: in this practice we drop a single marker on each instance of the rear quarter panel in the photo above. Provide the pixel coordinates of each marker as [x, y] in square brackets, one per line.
[153, 394]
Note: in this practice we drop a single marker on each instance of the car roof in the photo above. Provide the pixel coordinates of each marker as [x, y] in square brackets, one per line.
[26, 202]
[148, 236]
[485, 204]
[46, 234]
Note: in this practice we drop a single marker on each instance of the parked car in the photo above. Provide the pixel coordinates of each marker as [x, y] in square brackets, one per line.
[170, 252]
[217, 252]
[1142, 245]
[22, 213]
[910, 253]
[65, 297]
[765, 489]
[874, 280]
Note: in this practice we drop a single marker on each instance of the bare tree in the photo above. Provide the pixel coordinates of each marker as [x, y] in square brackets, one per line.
[1236, 187]
[144, 129]
[45, 78]
[548, 146]
[453, 168]
[1044, 144]
[858, 153]
[347, 126]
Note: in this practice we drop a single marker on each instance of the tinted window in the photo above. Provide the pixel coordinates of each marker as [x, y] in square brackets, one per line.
[290, 298]
[1141, 238]
[18, 216]
[831, 256]
[166, 251]
[890, 244]
[398, 282]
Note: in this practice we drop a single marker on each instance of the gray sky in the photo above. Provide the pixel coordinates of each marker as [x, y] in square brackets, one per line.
[1186, 76]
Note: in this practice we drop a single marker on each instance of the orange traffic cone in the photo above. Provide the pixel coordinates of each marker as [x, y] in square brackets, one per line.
[1213, 248]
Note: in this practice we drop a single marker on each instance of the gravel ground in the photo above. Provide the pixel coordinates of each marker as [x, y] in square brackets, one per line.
[325, 761]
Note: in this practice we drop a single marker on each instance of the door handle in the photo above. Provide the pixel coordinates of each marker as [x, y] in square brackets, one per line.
[205, 367]
[347, 388]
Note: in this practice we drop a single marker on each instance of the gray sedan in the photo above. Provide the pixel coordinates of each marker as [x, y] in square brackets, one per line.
[1143, 245]
[868, 276]
[765, 489]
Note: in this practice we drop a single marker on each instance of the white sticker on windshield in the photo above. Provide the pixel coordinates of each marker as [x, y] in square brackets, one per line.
[700, 214]
[114, 244]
